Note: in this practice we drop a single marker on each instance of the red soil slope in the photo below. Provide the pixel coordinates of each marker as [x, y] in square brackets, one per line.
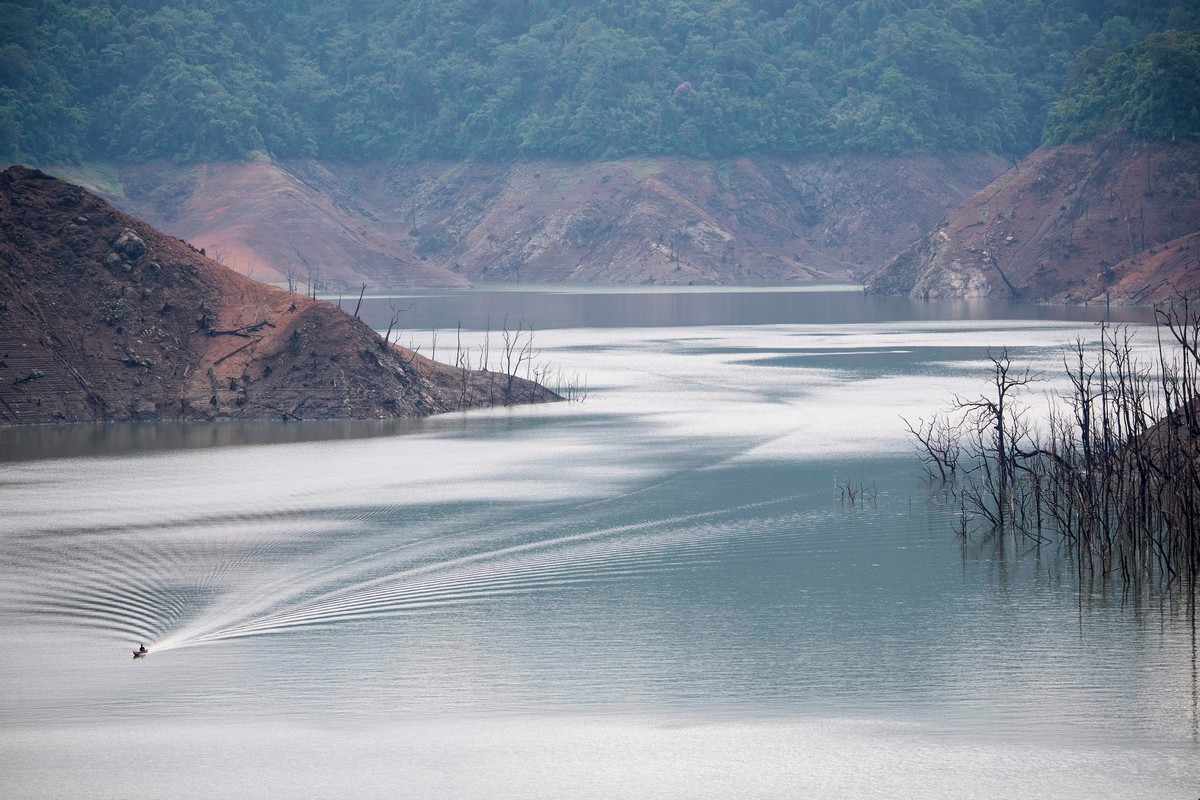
[671, 220]
[264, 222]
[1115, 219]
[631, 221]
[104, 318]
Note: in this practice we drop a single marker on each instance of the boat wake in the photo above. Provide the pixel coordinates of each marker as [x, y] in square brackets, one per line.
[339, 572]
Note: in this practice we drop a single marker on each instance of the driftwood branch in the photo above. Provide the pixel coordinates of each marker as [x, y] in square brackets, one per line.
[235, 352]
[244, 331]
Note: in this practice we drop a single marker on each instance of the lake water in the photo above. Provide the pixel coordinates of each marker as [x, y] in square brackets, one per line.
[654, 593]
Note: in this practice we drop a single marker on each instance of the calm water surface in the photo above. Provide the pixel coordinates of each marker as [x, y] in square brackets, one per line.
[652, 593]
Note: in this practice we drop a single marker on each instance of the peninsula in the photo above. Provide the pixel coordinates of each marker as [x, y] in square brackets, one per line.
[104, 318]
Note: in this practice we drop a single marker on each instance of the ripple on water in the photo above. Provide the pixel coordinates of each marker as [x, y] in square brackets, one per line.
[672, 550]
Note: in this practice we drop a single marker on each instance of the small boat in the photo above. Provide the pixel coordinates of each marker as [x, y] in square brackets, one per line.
[140, 653]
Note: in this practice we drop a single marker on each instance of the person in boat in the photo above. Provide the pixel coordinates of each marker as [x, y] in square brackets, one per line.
[142, 648]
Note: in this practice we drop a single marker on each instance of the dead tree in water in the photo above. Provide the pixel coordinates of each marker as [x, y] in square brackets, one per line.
[518, 350]
[502, 380]
[1178, 472]
[996, 430]
[985, 434]
[855, 494]
[939, 442]
[1115, 474]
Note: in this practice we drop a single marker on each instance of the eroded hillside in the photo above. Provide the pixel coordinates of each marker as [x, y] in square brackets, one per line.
[104, 318]
[1116, 219]
[631, 221]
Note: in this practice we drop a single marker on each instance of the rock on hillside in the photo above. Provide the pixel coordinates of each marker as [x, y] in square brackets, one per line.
[104, 318]
[632, 221]
[1114, 219]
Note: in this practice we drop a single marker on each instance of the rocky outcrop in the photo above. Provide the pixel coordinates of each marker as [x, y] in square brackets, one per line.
[633, 221]
[1115, 220]
[104, 318]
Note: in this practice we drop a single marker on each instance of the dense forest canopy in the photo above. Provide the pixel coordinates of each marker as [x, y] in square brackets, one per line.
[212, 79]
[1150, 89]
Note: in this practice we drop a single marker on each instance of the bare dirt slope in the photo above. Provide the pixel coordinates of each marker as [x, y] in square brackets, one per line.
[1116, 219]
[631, 221]
[670, 220]
[263, 221]
[104, 318]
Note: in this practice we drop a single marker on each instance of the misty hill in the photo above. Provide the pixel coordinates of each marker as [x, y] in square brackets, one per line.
[213, 80]
[104, 318]
[1113, 218]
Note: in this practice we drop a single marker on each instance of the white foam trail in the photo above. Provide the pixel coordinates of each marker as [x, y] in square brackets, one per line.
[574, 559]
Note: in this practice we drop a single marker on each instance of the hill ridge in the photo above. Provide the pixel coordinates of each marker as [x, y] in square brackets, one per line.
[105, 318]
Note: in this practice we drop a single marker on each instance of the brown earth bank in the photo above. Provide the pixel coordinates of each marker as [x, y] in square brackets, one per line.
[102, 317]
[662, 220]
[1114, 220]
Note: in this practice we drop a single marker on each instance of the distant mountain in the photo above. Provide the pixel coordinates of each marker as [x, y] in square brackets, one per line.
[104, 318]
[662, 220]
[1114, 218]
[337, 143]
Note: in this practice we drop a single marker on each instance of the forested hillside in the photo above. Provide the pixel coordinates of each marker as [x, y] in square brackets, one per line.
[1150, 89]
[200, 80]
